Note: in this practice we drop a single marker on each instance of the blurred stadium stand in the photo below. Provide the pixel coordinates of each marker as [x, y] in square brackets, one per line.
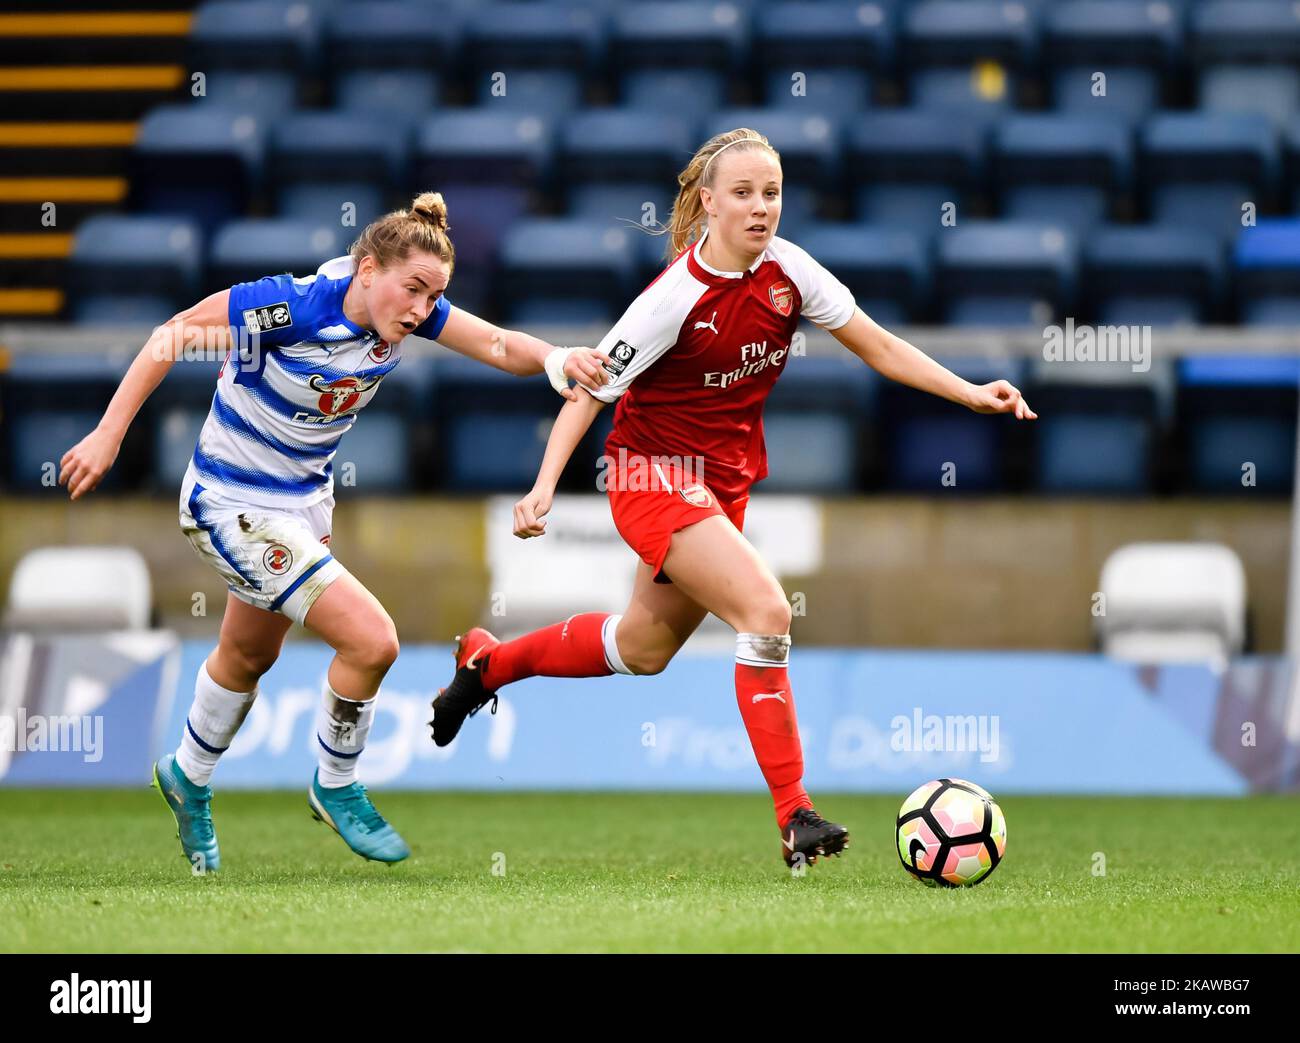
[958, 163]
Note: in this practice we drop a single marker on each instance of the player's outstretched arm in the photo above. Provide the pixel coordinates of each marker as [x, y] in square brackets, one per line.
[573, 422]
[203, 326]
[908, 364]
[523, 355]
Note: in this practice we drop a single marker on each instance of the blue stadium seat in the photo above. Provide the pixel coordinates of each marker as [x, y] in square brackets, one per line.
[492, 426]
[909, 163]
[268, 93]
[1248, 56]
[50, 403]
[396, 95]
[379, 35]
[351, 204]
[547, 92]
[886, 268]
[159, 259]
[674, 90]
[175, 415]
[533, 36]
[1135, 45]
[609, 145]
[1061, 169]
[1267, 264]
[219, 152]
[255, 34]
[1153, 276]
[252, 247]
[559, 268]
[1004, 273]
[966, 55]
[1098, 420]
[482, 162]
[645, 203]
[835, 47]
[922, 434]
[332, 147]
[1237, 415]
[813, 423]
[679, 36]
[1200, 169]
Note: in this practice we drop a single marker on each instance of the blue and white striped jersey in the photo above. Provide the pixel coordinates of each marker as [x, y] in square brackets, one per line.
[286, 396]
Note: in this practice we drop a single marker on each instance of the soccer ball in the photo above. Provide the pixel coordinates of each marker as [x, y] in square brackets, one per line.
[951, 833]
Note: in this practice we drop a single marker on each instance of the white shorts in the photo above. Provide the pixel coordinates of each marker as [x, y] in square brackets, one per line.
[276, 558]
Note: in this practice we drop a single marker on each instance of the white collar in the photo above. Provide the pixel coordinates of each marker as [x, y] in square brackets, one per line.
[714, 271]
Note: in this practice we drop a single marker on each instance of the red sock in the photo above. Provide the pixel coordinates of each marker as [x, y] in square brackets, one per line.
[767, 706]
[573, 648]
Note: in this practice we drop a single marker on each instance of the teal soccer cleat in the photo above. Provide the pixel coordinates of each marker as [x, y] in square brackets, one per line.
[192, 807]
[351, 814]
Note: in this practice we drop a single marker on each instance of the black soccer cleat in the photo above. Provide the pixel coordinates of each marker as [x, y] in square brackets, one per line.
[465, 696]
[807, 836]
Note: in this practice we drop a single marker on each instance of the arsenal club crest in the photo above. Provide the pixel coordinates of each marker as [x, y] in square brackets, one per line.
[696, 495]
[782, 297]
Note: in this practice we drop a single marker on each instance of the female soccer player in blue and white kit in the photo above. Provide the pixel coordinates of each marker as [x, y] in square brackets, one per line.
[257, 497]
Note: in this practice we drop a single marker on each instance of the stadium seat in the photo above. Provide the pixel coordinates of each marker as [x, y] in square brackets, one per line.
[1173, 603]
[1248, 56]
[923, 434]
[533, 36]
[1061, 169]
[1266, 261]
[50, 403]
[1237, 417]
[1134, 45]
[78, 589]
[707, 39]
[557, 268]
[220, 153]
[1200, 169]
[1098, 419]
[821, 57]
[643, 203]
[604, 145]
[885, 268]
[353, 204]
[389, 35]
[1151, 275]
[482, 162]
[993, 273]
[810, 145]
[548, 92]
[966, 55]
[674, 90]
[252, 34]
[1291, 167]
[252, 247]
[813, 422]
[910, 164]
[492, 426]
[333, 147]
[174, 415]
[157, 258]
[265, 92]
[379, 454]
[397, 95]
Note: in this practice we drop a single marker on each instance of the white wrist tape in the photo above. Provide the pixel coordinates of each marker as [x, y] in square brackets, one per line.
[554, 366]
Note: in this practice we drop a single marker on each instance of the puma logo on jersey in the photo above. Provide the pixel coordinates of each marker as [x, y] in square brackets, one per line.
[767, 695]
[708, 325]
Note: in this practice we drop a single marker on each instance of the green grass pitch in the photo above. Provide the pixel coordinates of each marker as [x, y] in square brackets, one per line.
[102, 871]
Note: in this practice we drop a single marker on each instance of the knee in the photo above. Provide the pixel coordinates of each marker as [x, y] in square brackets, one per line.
[249, 661]
[647, 660]
[767, 615]
[376, 648]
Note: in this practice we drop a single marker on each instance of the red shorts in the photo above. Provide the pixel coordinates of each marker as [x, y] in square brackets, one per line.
[651, 500]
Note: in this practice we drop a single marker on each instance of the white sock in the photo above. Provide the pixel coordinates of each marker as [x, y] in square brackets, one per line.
[214, 718]
[341, 729]
[607, 632]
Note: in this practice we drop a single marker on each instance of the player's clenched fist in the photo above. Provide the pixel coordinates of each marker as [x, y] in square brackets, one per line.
[87, 462]
[529, 513]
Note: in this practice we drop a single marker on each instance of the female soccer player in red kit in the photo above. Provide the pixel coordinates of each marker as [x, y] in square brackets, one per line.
[692, 361]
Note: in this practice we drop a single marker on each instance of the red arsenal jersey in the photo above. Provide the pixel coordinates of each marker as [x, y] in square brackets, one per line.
[696, 354]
